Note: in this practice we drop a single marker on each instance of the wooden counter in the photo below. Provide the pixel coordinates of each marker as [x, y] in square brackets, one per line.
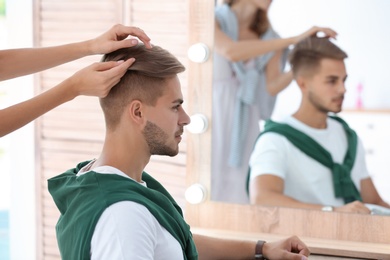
[319, 248]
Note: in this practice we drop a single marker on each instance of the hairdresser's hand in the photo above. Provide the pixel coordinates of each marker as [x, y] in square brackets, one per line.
[328, 32]
[291, 248]
[97, 79]
[116, 38]
[354, 207]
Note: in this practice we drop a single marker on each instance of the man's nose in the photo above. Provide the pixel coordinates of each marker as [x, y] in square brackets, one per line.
[185, 119]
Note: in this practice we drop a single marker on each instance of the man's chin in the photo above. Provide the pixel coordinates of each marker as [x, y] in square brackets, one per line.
[336, 110]
[170, 153]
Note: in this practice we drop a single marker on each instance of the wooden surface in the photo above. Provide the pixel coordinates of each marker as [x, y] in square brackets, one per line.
[288, 221]
[324, 257]
[319, 248]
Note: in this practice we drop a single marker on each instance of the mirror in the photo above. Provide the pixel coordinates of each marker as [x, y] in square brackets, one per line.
[361, 26]
[248, 221]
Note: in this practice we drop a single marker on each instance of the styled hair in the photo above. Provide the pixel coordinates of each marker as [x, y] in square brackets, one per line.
[260, 22]
[306, 56]
[144, 81]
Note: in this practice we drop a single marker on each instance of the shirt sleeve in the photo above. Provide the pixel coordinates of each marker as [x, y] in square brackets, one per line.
[269, 156]
[359, 169]
[125, 230]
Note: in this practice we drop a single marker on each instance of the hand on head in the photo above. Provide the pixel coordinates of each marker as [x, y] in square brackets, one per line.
[94, 80]
[117, 38]
[97, 79]
[328, 32]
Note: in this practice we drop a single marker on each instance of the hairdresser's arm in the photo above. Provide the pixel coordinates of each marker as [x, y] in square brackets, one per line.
[19, 62]
[247, 49]
[217, 248]
[277, 80]
[94, 80]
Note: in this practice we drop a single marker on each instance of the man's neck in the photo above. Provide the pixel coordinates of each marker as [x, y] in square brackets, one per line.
[125, 156]
[314, 119]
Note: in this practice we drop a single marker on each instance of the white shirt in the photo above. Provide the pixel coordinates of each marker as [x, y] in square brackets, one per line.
[127, 230]
[304, 178]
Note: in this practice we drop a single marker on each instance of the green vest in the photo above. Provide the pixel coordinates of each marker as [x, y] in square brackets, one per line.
[81, 201]
[341, 173]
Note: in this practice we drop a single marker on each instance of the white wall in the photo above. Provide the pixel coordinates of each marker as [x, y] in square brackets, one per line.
[363, 31]
[22, 169]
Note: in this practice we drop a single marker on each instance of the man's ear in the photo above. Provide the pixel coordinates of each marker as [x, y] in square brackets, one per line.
[301, 82]
[135, 111]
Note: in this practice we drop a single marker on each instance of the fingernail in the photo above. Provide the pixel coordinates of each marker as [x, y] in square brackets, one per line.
[120, 61]
[132, 59]
[134, 41]
[304, 258]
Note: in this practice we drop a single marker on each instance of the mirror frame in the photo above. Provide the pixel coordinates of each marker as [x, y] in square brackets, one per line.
[250, 218]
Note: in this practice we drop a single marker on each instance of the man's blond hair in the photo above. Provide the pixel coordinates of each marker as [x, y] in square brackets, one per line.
[144, 80]
[306, 56]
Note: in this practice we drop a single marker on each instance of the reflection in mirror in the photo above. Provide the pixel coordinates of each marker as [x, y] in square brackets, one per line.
[243, 65]
[366, 85]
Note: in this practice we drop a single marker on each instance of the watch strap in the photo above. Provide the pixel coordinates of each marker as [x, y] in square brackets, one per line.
[259, 250]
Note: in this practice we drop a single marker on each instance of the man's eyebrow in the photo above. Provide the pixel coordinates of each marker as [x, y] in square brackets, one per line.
[179, 100]
[333, 77]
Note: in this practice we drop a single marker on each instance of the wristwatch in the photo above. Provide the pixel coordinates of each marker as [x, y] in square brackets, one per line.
[327, 208]
[259, 250]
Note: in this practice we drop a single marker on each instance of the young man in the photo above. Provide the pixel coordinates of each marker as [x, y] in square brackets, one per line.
[110, 208]
[94, 80]
[312, 160]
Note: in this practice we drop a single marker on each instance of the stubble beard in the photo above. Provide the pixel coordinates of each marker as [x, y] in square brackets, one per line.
[316, 102]
[155, 138]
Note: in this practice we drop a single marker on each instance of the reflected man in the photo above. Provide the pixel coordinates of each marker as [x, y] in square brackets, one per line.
[313, 159]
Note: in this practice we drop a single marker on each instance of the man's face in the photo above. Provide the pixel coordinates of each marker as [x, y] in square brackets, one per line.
[326, 88]
[165, 121]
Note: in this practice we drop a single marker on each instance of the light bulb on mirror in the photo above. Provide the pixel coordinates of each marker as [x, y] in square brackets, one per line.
[198, 53]
[195, 194]
[198, 125]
